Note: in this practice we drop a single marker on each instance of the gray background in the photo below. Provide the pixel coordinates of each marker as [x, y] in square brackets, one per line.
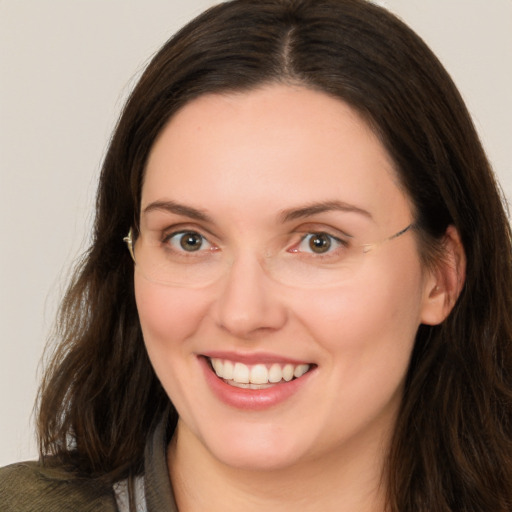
[66, 67]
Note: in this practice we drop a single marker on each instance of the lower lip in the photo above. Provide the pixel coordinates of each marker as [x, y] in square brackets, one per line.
[251, 399]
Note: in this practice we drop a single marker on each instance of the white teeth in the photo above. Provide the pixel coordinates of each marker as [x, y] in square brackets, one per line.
[258, 375]
[275, 373]
[241, 373]
[228, 372]
[288, 372]
[218, 366]
[248, 386]
[299, 370]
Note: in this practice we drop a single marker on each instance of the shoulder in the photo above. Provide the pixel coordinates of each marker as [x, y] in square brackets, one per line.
[31, 487]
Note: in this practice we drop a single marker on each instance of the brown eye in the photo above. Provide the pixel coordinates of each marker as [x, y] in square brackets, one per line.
[319, 242]
[191, 241]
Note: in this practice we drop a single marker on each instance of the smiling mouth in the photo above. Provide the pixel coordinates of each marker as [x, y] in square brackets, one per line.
[257, 376]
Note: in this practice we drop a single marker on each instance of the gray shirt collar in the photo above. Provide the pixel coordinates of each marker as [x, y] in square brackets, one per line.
[157, 483]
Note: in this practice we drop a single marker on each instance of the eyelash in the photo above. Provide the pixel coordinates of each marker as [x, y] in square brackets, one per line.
[167, 240]
[335, 244]
[173, 239]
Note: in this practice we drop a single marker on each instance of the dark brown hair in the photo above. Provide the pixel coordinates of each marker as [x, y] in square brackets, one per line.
[452, 449]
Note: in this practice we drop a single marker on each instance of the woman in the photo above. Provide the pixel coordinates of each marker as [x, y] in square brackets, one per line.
[311, 310]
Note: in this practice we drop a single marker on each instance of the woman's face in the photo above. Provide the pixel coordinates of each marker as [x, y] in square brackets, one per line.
[266, 193]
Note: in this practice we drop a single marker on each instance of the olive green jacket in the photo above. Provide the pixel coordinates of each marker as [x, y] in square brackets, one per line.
[30, 487]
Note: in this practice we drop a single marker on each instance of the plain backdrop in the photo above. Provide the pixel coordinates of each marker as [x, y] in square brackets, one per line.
[66, 66]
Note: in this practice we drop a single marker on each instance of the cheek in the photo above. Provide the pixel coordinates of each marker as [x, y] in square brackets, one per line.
[167, 315]
[378, 312]
[169, 318]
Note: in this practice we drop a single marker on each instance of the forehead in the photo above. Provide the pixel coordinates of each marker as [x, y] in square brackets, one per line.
[271, 148]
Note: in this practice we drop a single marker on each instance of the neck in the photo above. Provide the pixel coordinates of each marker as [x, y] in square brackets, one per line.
[346, 481]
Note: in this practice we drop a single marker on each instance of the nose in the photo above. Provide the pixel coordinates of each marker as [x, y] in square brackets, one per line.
[249, 303]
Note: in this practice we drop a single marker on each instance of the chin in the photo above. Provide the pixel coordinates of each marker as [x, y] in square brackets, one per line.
[256, 459]
[255, 448]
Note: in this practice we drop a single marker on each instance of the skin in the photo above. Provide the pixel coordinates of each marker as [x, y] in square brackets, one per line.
[242, 159]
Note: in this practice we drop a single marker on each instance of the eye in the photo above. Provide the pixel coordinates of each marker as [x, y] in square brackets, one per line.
[318, 243]
[189, 241]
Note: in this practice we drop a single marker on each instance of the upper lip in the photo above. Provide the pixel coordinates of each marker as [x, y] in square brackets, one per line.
[253, 357]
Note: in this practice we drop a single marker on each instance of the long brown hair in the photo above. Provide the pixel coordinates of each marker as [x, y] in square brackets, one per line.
[452, 448]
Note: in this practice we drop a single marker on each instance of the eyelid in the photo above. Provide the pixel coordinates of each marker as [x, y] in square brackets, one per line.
[301, 231]
[184, 227]
[173, 240]
[317, 228]
[170, 236]
[338, 243]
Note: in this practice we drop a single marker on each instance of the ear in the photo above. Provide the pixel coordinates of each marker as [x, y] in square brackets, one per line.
[445, 281]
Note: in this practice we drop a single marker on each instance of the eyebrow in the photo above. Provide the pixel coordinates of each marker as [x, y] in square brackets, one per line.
[178, 209]
[285, 216]
[316, 208]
